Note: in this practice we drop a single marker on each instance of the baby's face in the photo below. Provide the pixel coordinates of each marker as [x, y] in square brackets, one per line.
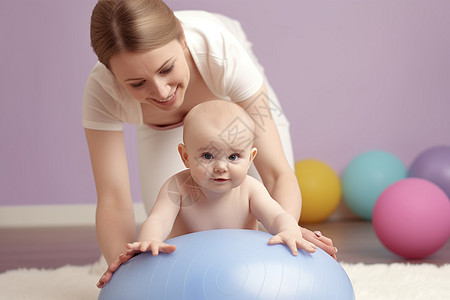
[219, 159]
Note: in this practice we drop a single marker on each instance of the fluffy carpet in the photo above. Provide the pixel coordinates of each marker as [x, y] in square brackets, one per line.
[370, 282]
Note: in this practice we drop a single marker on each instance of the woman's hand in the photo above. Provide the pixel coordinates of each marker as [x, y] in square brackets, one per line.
[133, 249]
[320, 241]
[124, 257]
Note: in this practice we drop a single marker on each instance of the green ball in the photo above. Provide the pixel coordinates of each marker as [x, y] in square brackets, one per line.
[366, 177]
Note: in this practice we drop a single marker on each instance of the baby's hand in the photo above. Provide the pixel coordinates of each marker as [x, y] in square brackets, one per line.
[294, 240]
[151, 246]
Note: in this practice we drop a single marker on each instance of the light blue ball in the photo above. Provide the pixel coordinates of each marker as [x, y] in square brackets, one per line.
[366, 177]
[229, 264]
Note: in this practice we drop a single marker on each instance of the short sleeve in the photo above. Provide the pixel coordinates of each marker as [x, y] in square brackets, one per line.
[222, 60]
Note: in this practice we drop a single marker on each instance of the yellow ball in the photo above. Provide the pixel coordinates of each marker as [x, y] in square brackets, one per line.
[321, 190]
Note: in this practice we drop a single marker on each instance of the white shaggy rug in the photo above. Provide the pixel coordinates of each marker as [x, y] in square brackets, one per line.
[370, 282]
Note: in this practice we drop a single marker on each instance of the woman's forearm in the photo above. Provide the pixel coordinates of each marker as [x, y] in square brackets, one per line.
[285, 190]
[115, 228]
[115, 216]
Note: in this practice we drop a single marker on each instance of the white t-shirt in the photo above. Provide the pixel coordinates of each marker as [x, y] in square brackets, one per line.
[223, 62]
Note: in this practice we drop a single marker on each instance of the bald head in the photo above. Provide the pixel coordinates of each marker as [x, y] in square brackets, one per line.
[220, 115]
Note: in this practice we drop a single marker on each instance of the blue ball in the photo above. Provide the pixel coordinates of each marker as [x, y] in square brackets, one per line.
[366, 177]
[229, 264]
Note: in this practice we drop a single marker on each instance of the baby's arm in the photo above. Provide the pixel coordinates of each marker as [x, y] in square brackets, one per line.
[159, 223]
[276, 220]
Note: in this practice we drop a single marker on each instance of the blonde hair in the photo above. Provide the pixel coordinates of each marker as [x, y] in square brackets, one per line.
[131, 25]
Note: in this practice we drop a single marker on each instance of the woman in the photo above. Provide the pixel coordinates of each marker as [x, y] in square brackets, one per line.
[154, 66]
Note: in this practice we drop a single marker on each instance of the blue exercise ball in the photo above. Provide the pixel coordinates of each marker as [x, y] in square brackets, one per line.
[366, 177]
[229, 264]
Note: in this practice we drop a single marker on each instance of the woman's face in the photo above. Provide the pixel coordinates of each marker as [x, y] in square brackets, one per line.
[158, 77]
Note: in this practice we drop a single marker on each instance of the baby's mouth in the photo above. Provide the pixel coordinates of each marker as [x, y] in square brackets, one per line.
[220, 179]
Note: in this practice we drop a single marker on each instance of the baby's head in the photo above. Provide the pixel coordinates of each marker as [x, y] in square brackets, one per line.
[218, 141]
[224, 117]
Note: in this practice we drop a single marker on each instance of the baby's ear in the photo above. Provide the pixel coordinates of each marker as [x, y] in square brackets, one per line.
[183, 154]
[253, 154]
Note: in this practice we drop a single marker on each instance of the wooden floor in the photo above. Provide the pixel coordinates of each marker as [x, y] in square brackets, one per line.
[54, 247]
[357, 242]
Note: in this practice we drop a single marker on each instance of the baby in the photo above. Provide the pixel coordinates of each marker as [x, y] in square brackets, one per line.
[215, 191]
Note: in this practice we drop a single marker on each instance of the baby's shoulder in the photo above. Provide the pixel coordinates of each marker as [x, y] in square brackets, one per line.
[182, 175]
[251, 184]
[252, 180]
[182, 182]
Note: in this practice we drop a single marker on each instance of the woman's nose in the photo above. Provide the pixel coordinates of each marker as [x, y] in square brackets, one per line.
[160, 90]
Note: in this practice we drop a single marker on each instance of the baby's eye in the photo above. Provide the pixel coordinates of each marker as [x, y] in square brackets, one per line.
[207, 156]
[138, 84]
[233, 157]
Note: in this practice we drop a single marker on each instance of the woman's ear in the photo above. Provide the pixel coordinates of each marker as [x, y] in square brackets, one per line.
[183, 154]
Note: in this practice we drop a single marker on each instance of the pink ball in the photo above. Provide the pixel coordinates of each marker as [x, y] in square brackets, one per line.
[411, 218]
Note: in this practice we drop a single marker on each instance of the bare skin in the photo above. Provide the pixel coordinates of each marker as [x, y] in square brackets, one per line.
[216, 192]
[168, 85]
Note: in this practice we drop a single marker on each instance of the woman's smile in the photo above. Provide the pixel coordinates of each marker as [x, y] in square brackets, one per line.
[166, 102]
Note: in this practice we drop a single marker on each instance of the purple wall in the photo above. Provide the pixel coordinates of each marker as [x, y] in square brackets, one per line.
[352, 76]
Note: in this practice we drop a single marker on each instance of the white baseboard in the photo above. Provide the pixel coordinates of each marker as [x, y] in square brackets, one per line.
[55, 215]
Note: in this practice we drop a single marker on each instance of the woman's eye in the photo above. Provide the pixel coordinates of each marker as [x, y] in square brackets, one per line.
[138, 84]
[207, 156]
[167, 70]
[233, 157]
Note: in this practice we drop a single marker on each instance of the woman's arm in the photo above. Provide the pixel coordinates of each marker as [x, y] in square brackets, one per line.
[273, 167]
[115, 223]
[271, 163]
